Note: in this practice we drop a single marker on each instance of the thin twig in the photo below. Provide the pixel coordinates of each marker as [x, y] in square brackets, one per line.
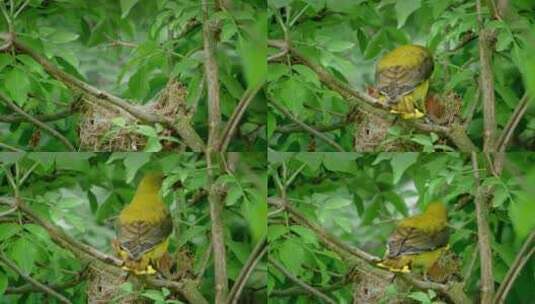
[306, 127]
[483, 235]
[513, 122]
[21, 8]
[256, 255]
[521, 259]
[294, 128]
[10, 264]
[10, 148]
[14, 118]
[37, 122]
[311, 290]
[236, 116]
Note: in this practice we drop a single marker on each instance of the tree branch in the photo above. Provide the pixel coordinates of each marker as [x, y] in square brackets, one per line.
[36, 122]
[236, 116]
[294, 128]
[486, 38]
[509, 129]
[306, 127]
[215, 200]
[258, 252]
[366, 262]
[185, 130]
[209, 28]
[521, 259]
[483, 235]
[42, 117]
[311, 290]
[369, 104]
[10, 264]
[102, 261]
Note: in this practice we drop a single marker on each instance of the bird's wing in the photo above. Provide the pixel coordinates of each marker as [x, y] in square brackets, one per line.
[404, 241]
[138, 237]
[399, 80]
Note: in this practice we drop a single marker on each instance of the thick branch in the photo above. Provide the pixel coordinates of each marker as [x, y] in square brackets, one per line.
[209, 28]
[10, 264]
[36, 122]
[311, 290]
[215, 199]
[486, 38]
[483, 235]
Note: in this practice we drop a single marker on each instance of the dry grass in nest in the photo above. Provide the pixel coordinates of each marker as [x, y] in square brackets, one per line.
[108, 128]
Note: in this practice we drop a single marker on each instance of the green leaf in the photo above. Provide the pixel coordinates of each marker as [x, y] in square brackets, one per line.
[308, 235]
[339, 46]
[341, 162]
[400, 162]
[253, 51]
[307, 74]
[138, 84]
[126, 6]
[3, 282]
[155, 295]
[336, 202]
[37, 231]
[404, 9]
[420, 296]
[276, 231]
[132, 162]
[18, 85]
[271, 124]
[62, 36]
[24, 253]
[521, 213]
[293, 94]
[291, 254]
[5, 60]
[7, 230]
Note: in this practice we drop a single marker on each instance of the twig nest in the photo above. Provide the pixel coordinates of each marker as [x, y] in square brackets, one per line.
[104, 287]
[105, 127]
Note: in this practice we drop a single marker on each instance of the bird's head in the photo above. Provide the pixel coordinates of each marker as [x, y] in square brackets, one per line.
[437, 210]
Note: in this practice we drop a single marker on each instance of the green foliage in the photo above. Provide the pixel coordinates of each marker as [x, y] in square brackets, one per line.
[347, 38]
[82, 194]
[358, 198]
[131, 48]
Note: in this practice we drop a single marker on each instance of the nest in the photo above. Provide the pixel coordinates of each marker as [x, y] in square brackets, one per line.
[104, 127]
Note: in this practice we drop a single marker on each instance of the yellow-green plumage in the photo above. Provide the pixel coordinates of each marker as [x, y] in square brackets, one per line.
[402, 78]
[144, 227]
[418, 241]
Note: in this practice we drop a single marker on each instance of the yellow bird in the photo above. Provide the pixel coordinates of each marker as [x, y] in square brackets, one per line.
[143, 228]
[418, 241]
[402, 79]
